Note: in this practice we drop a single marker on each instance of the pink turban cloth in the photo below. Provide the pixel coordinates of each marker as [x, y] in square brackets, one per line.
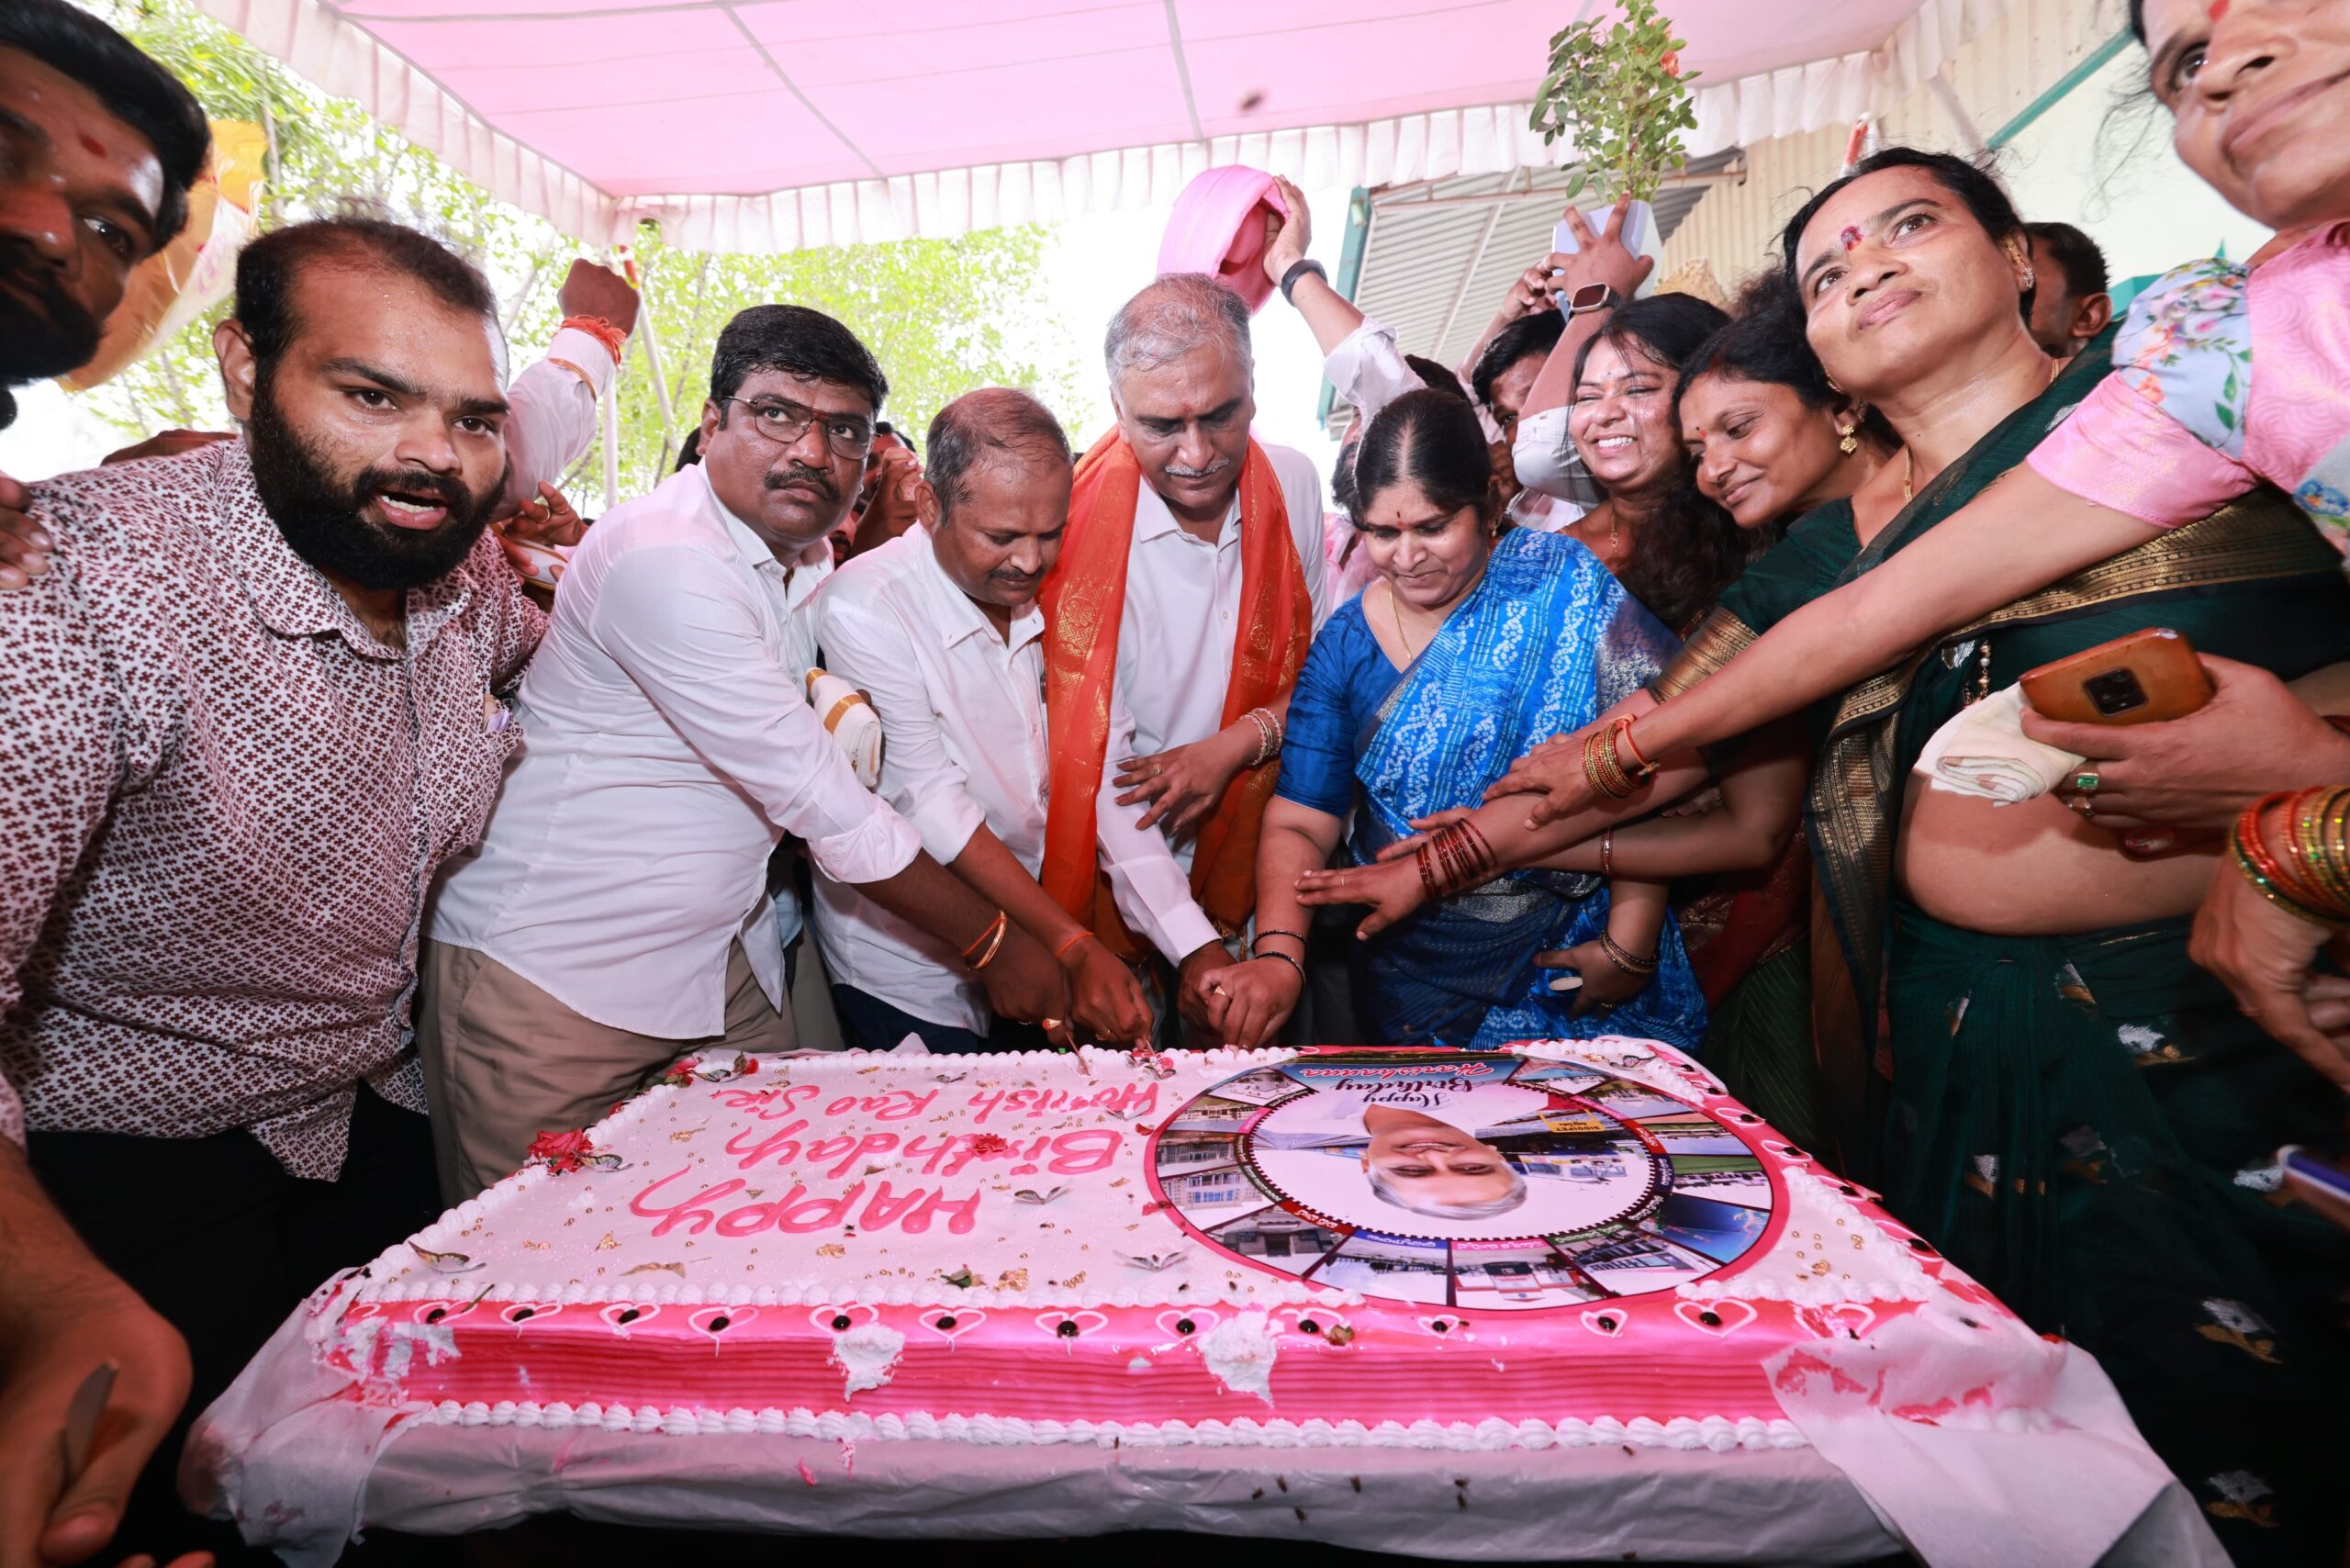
[1218, 228]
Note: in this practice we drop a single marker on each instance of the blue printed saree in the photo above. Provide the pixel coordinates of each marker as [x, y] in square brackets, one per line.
[1546, 641]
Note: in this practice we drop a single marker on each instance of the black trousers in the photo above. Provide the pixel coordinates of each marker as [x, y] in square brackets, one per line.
[221, 1240]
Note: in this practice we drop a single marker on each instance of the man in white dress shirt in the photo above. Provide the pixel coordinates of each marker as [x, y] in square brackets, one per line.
[1209, 546]
[940, 627]
[616, 912]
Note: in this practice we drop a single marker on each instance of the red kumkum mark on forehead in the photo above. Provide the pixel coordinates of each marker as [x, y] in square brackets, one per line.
[2219, 11]
[1851, 235]
[92, 146]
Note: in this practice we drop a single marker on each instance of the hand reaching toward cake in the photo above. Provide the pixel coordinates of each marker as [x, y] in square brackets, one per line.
[63, 1315]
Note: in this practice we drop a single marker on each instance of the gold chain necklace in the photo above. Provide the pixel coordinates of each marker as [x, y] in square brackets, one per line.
[1395, 614]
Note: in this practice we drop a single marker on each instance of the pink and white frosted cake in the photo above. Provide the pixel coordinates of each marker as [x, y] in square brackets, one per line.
[1575, 1242]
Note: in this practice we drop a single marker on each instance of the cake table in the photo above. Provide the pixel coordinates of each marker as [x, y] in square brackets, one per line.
[1563, 1301]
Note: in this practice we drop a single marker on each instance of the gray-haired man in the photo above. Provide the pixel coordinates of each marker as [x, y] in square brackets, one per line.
[1190, 587]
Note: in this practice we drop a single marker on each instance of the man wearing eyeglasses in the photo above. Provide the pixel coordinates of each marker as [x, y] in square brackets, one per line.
[614, 916]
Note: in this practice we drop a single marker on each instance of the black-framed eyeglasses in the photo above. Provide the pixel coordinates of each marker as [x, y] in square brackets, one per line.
[783, 421]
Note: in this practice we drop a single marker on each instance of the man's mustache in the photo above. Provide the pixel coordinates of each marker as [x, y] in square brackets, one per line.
[450, 492]
[1176, 471]
[813, 479]
[43, 331]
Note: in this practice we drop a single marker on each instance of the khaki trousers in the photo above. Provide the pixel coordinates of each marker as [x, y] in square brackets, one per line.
[504, 1061]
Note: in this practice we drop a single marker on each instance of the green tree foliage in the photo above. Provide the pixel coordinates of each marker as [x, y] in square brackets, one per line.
[942, 315]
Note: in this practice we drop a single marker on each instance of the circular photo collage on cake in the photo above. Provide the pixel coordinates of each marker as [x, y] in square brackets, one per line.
[1461, 1178]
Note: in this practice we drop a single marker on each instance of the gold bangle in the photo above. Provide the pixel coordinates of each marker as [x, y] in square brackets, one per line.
[1624, 958]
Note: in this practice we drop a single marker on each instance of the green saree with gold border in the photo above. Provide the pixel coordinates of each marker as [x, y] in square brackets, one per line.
[2084, 1123]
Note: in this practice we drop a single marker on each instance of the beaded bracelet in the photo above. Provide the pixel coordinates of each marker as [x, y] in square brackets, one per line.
[1296, 937]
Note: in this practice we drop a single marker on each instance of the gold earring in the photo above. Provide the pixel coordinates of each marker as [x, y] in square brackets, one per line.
[1852, 442]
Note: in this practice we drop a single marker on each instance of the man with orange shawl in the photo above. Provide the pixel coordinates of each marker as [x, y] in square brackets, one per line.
[1190, 584]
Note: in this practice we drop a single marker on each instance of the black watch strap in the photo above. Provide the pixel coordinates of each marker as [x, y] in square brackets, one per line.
[1289, 279]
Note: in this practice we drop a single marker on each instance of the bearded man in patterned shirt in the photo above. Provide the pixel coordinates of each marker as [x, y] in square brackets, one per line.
[252, 708]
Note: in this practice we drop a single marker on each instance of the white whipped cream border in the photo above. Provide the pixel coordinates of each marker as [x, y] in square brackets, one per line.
[1718, 1433]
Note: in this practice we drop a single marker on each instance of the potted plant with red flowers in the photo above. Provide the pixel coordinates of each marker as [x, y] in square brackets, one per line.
[1617, 90]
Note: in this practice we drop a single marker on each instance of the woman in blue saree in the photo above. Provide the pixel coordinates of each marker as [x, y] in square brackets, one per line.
[1416, 696]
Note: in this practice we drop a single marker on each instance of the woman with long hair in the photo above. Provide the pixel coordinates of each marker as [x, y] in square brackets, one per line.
[1671, 547]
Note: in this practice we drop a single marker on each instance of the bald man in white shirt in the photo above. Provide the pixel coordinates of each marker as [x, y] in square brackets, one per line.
[940, 628]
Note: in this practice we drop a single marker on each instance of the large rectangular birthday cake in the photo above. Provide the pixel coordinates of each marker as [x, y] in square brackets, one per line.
[1565, 1242]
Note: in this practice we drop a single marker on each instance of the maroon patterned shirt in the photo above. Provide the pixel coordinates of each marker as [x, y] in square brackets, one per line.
[222, 801]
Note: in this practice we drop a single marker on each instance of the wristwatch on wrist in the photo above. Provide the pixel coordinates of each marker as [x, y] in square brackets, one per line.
[1298, 270]
[1589, 297]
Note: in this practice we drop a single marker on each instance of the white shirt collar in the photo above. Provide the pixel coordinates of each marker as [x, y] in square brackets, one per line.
[803, 577]
[1153, 518]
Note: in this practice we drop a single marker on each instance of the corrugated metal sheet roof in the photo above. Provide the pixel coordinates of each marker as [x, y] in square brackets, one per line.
[1436, 275]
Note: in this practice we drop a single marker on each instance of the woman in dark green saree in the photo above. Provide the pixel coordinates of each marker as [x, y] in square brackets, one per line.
[2069, 1109]
[2074, 1114]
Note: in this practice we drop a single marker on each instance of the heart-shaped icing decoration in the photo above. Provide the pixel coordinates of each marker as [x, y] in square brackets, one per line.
[1845, 1318]
[1743, 1118]
[1070, 1325]
[521, 1311]
[1607, 1322]
[952, 1323]
[1172, 1322]
[438, 1311]
[1715, 1318]
[1315, 1321]
[716, 1320]
[829, 1318]
[622, 1316]
[1444, 1325]
[1787, 1152]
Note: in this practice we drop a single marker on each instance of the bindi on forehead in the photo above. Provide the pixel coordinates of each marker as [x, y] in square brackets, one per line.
[1851, 238]
[2217, 11]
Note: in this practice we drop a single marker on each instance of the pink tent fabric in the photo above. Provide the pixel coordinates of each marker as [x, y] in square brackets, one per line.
[768, 123]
